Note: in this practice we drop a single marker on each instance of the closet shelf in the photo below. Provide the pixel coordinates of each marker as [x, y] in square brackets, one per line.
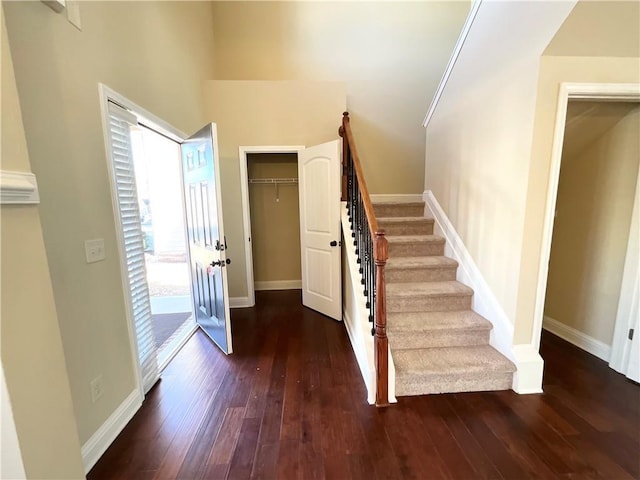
[274, 181]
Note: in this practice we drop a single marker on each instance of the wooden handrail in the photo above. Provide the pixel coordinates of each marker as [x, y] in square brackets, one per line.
[379, 251]
[347, 135]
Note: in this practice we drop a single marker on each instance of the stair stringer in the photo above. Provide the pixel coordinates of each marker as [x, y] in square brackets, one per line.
[355, 315]
[529, 364]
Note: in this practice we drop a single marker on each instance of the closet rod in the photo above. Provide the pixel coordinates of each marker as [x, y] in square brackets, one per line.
[276, 181]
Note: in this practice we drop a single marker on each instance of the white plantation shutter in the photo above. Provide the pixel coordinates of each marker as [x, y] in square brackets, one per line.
[120, 122]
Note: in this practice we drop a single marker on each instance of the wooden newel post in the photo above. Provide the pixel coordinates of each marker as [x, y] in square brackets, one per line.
[345, 154]
[381, 343]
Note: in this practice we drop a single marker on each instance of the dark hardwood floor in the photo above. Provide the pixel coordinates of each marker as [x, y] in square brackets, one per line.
[290, 403]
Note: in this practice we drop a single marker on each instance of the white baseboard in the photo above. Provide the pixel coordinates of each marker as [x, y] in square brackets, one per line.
[279, 285]
[95, 447]
[401, 197]
[239, 302]
[577, 338]
[484, 301]
[530, 367]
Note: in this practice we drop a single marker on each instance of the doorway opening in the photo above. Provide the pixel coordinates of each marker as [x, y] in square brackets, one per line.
[591, 286]
[156, 160]
[309, 258]
[271, 217]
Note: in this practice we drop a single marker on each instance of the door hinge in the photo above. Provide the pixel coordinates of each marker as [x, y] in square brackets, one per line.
[631, 333]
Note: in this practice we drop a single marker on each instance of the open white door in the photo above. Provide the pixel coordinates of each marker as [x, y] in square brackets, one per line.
[207, 245]
[625, 347]
[319, 188]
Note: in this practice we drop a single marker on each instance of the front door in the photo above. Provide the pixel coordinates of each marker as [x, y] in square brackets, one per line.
[319, 189]
[207, 245]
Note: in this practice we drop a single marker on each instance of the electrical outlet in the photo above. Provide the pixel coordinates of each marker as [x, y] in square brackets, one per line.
[97, 388]
[94, 250]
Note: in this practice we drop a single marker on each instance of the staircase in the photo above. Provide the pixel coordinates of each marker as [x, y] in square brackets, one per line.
[438, 344]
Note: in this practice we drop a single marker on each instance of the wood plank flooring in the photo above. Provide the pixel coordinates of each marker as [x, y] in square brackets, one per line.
[290, 404]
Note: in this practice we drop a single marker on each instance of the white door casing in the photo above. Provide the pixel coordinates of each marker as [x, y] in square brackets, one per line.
[319, 191]
[207, 243]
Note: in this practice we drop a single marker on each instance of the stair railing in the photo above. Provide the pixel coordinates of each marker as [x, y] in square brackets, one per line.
[372, 251]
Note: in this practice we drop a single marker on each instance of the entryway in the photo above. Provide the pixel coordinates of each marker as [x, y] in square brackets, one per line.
[591, 292]
[156, 161]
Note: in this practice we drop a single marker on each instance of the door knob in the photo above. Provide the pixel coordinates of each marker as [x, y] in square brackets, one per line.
[228, 261]
[333, 243]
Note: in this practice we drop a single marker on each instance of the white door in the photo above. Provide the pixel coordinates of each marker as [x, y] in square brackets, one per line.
[207, 244]
[625, 351]
[319, 188]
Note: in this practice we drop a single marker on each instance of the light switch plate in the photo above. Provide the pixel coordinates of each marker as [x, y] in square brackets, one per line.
[94, 250]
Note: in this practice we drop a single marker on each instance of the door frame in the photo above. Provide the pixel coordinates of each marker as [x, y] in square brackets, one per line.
[150, 120]
[243, 156]
[568, 91]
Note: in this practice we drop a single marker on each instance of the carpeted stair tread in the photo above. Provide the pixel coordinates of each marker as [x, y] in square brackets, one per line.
[424, 362]
[434, 261]
[430, 321]
[428, 289]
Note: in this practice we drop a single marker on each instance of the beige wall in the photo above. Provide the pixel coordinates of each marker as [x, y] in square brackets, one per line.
[255, 113]
[391, 55]
[275, 219]
[478, 142]
[489, 143]
[591, 230]
[155, 53]
[553, 71]
[31, 350]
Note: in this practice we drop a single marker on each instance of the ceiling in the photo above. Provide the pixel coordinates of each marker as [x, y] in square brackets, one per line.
[588, 120]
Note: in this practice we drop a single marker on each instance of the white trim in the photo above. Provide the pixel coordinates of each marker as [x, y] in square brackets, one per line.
[403, 197]
[95, 447]
[106, 94]
[591, 91]
[163, 360]
[11, 463]
[466, 28]
[240, 302]
[18, 188]
[279, 285]
[484, 301]
[529, 369]
[577, 338]
[361, 356]
[243, 152]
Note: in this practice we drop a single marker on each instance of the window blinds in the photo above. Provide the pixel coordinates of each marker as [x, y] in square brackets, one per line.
[122, 168]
